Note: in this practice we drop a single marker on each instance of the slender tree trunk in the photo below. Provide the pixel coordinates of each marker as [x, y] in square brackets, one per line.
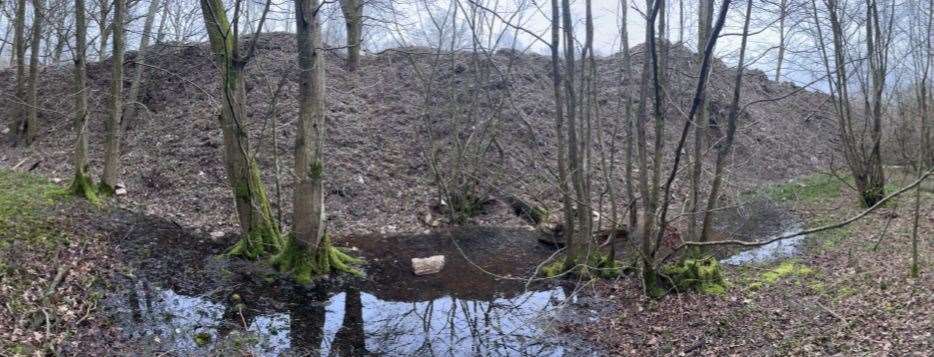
[308, 201]
[140, 64]
[563, 176]
[32, 96]
[649, 66]
[17, 119]
[160, 35]
[704, 19]
[630, 145]
[113, 125]
[865, 162]
[82, 185]
[726, 146]
[782, 14]
[574, 147]
[309, 253]
[353, 20]
[260, 234]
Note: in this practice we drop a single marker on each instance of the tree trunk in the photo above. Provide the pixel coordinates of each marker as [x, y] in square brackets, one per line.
[704, 19]
[82, 185]
[19, 47]
[353, 19]
[140, 61]
[260, 234]
[575, 164]
[782, 14]
[567, 200]
[309, 252]
[31, 125]
[726, 146]
[113, 125]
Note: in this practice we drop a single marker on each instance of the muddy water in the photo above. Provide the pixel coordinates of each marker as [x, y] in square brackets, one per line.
[182, 297]
[759, 220]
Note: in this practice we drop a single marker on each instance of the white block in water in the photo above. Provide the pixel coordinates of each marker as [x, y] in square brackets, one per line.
[430, 265]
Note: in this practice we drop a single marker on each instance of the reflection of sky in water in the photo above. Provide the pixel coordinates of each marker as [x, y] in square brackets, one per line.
[445, 326]
[449, 326]
[775, 250]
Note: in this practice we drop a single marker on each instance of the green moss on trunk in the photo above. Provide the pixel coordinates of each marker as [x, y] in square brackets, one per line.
[83, 186]
[263, 236]
[691, 274]
[305, 264]
[261, 241]
[106, 190]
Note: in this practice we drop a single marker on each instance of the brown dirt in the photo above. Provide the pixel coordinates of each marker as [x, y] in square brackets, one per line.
[379, 179]
[857, 300]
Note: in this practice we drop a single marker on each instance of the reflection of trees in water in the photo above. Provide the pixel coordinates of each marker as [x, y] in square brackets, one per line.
[456, 326]
[350, 339]
[352, 323]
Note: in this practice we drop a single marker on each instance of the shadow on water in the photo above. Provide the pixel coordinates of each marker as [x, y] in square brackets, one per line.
[183, 298]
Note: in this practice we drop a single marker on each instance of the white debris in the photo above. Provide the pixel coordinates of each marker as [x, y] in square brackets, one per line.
[426, 266]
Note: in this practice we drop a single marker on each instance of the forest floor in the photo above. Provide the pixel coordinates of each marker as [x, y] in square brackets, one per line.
[848, 292]
[71, 274]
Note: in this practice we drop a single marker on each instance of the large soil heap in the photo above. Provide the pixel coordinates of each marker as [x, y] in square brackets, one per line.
[376, 136]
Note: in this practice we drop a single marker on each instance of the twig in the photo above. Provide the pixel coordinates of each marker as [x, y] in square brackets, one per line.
[832, 313]
[875, 247]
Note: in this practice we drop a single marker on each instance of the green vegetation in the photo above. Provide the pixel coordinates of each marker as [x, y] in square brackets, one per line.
[784, 270]
[701, 275]
[599, 266]
[23, 200]
[806, 189]
[304, 266]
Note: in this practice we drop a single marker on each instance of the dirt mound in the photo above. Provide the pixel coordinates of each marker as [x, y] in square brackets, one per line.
[378, 178]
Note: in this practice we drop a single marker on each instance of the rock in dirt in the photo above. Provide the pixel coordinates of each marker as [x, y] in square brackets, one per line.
[426, 266]
[120, 192]
[217, 234]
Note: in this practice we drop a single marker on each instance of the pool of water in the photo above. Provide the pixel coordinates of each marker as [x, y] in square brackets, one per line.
[349, 322]
[773, 251]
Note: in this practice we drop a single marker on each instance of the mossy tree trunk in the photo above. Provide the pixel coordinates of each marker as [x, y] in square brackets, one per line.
[82, 184]
[19, 47]
[309, 252]
[260, 233]
[113, 125]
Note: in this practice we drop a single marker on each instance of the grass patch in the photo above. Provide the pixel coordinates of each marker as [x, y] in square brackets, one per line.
[24, 201]
[807, 189]
[784, 270]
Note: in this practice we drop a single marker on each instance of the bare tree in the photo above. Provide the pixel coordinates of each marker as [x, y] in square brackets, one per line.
[31, 126]
[309, 252]
[82, 185]
[17, 129]
[260, 233]
[353, 19]
[140, 63]
[113, 125]
[863, 158]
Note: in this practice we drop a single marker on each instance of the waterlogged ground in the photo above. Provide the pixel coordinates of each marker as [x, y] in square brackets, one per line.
[184, 298]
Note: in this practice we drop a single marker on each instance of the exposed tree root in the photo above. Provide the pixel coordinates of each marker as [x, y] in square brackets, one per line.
[261, 241]
[83, 186]
[305, 265]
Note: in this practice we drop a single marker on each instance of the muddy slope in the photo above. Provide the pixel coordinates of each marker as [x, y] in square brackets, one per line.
[379, 180]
